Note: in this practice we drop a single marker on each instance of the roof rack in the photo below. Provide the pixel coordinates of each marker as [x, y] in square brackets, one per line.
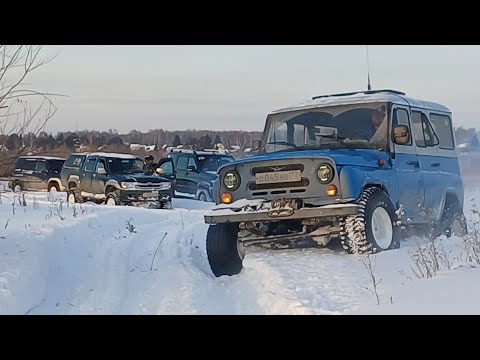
[367, 92]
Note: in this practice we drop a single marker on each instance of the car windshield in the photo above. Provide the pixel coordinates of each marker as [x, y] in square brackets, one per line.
[212, 162]
[359, 126]
[125, 166]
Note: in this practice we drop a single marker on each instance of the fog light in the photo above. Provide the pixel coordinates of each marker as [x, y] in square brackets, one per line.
[227, 198]
[332, 190]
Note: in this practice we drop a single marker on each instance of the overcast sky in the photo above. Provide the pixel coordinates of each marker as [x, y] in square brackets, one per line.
[233, 87]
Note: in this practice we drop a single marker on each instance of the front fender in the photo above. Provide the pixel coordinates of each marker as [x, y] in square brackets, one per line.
[113, 183]
[353, 180]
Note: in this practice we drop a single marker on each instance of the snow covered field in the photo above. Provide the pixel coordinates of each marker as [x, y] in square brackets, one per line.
[92, 259]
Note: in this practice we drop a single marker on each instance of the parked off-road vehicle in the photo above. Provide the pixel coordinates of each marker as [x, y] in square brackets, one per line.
[116, 179]
[37, 173]
[355, 167]
[196, 171]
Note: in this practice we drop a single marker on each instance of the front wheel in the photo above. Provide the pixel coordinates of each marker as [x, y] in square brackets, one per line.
[224, 250]
[374, 229]
[113, 199]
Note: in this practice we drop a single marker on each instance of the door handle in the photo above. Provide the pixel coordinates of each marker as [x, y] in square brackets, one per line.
[413, 162]
[435, 164]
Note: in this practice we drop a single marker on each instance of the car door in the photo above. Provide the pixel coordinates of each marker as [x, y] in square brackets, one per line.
[28, 169]
[87, 174]
[192, 177]
[39, 176]
[99, 177]
[411, 188]
[427, 150]
[182, 164]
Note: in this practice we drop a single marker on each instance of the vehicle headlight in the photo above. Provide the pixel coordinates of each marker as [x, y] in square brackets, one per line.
[165, 185]
[231, 180]
[127, 185]
[325, 173]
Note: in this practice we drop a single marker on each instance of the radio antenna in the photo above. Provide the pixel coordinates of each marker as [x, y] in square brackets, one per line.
[369, 86]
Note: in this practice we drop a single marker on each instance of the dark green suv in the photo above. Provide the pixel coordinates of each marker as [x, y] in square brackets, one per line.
[196, 172]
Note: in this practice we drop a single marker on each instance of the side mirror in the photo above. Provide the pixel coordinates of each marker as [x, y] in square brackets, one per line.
[256, 144]
[401, 135]
[101, 171]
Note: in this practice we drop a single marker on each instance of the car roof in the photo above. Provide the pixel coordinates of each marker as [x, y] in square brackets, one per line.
[111, 155]
[39, 157]
[361, 97]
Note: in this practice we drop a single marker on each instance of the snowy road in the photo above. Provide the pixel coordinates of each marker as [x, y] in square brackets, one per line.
[100, 260]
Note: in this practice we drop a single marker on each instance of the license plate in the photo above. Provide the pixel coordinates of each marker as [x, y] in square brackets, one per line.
[150, 194]
[278, 177]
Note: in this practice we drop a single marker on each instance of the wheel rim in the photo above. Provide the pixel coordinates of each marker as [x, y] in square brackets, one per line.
[53, 189]
[111, 201]
[382, 228]
[17, 188]
[202, 197]
[71, 198]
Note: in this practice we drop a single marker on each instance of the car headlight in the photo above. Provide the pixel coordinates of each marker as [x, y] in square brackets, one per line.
[325, 173]
[231, 180]
[127, 185]
[165, 185]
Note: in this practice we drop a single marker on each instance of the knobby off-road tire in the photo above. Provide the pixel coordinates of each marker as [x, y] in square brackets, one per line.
[113, 199]
[453, 221]
[374, 229]
[74, 196]
[223, 251]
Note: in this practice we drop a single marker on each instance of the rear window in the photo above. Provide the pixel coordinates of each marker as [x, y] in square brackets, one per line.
[75, 161]
[55, 165]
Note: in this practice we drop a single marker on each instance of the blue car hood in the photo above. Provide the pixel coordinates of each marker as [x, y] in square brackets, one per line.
[354, 157]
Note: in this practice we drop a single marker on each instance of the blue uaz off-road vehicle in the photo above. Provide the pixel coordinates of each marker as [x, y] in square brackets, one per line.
[355, 167]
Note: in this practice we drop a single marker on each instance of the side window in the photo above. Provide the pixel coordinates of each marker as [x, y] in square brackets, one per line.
[74, 161]
[422, 130]
[100, 165]
[191, 162]
[443, 128]
[41, 166]
[182, 163]
[400, 117]
[20, 164]
[167, 167]
[91, 162]
[29, 165]
[428, 132]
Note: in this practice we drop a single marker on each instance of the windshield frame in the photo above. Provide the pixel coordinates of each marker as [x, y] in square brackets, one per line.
[286, 116]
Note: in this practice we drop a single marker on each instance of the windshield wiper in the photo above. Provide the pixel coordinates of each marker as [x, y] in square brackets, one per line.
[282, 143]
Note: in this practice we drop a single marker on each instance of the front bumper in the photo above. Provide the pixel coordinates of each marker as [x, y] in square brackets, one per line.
[248, 213]
[128, 196]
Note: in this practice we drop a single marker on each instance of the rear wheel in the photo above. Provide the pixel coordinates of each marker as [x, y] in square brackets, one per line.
[17, 188]
[453, 221]
[225, 253]
[374, 229]
[53, 187]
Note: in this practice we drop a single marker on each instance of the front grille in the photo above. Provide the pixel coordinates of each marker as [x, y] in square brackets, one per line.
[304, 183]
[273, 168]
[148, 186]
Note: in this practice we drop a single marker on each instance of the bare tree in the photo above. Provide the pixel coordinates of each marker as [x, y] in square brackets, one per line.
[22, 110]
